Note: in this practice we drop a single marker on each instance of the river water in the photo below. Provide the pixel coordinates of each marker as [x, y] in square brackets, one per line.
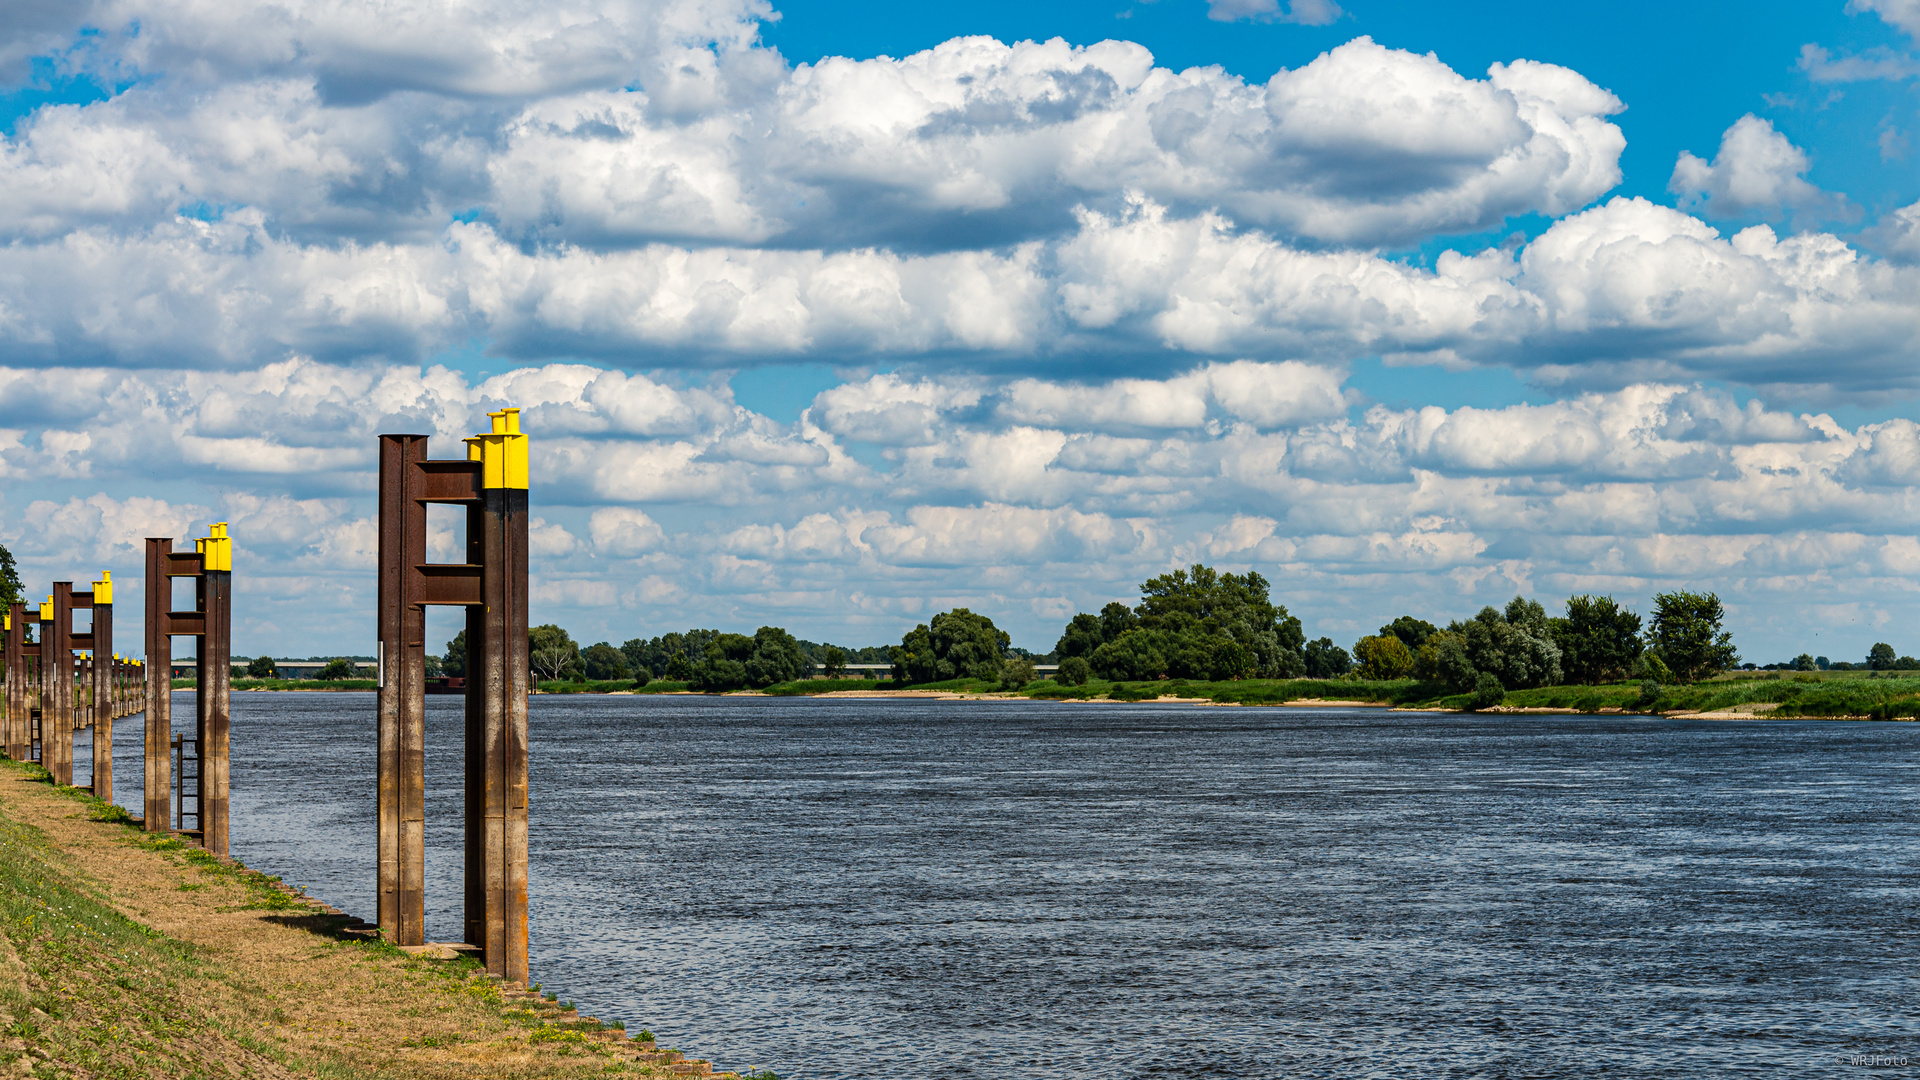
[838, 889]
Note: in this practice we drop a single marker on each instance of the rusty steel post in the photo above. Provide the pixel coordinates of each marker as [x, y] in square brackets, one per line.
[159, 687]
[497, 728]
[41, 683]
[13, 738]
[475, 728]
[103, 696]
[82, 675]
[400, 797]
[214, 674]
[56, 685]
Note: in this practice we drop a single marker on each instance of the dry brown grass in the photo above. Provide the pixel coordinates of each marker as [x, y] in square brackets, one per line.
[122, 955]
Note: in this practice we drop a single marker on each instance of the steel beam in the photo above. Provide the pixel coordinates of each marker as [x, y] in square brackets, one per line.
[104, 698]
[496, 867]
[159, 688]
[56, 686]
[13, 738]
[214, 673]
[401, 780]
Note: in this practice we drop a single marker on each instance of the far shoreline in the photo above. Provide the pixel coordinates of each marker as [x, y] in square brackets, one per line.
[1722, 715]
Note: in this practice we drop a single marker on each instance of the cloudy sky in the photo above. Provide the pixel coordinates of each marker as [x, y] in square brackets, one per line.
[835, 315]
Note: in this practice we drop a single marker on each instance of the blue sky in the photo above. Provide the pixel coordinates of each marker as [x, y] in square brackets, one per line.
[834, 319]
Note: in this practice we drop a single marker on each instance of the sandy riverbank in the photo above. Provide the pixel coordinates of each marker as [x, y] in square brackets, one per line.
[126, 955]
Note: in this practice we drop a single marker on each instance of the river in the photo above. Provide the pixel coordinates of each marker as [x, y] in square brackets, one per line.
[838, 889]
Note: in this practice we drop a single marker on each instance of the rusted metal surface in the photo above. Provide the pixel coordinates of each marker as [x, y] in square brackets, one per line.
[212, 622]
[14, 737]
[401, 780]
[104, 699]
[214, 592]
[492, 586]
[159, 688]
[56, 686]
[497, 741]
[95, 708]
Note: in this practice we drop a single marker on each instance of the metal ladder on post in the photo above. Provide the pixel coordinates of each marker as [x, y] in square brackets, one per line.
[186, 774]
[33, 735]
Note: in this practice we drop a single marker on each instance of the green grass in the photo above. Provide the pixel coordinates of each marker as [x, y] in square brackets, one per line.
[1586, 699]
[802, 687]
[93, 969]
[1242, 692]
[591, 686]
[1879, 695]
[1882, 695]
[289, 684]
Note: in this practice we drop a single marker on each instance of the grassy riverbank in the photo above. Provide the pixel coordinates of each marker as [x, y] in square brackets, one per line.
[124, 955]
[1874, 695]
[1877, 695]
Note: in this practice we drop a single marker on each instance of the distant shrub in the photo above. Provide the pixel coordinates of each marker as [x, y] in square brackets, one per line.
[1487, 692]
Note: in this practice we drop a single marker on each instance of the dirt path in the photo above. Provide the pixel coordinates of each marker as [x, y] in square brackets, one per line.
[125, 955]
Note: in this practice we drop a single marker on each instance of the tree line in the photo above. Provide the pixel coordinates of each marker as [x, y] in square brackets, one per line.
[1201, 624]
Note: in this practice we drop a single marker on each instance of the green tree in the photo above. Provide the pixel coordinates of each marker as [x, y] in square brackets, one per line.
[552, 652]
[724, 667]
[1384, 656]
[260, 667]
[1487, 692]
[736, 661]
[337, 668]
[9, 578]
[1599, 640]
[1685, 633]
[654, 654]
[1074, 671]
[1116, 619]
[638, 657]
[833, 661]
[1017, 672]
[1804, 662]
[603, 661]
[1514, 646]
[1325, 660]
[679, 668]
[454, 661]
[1134, 656]
[1209, 625]
[776, 658]
[952, 645]
[1880, 657]
[1412, 632]
[1082, 636]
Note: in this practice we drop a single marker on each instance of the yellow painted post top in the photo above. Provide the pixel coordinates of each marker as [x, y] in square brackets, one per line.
[46, 610]
[103, 589]
[215, 548]
[502, 452]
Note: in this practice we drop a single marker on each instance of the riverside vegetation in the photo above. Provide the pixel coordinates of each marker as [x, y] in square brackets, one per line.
[1204, 634]
[129, 955]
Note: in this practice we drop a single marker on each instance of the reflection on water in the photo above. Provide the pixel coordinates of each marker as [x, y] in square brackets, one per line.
[839, 889]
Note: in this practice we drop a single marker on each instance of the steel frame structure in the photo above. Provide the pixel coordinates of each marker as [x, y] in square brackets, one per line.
[211, 620]
[492, 585]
